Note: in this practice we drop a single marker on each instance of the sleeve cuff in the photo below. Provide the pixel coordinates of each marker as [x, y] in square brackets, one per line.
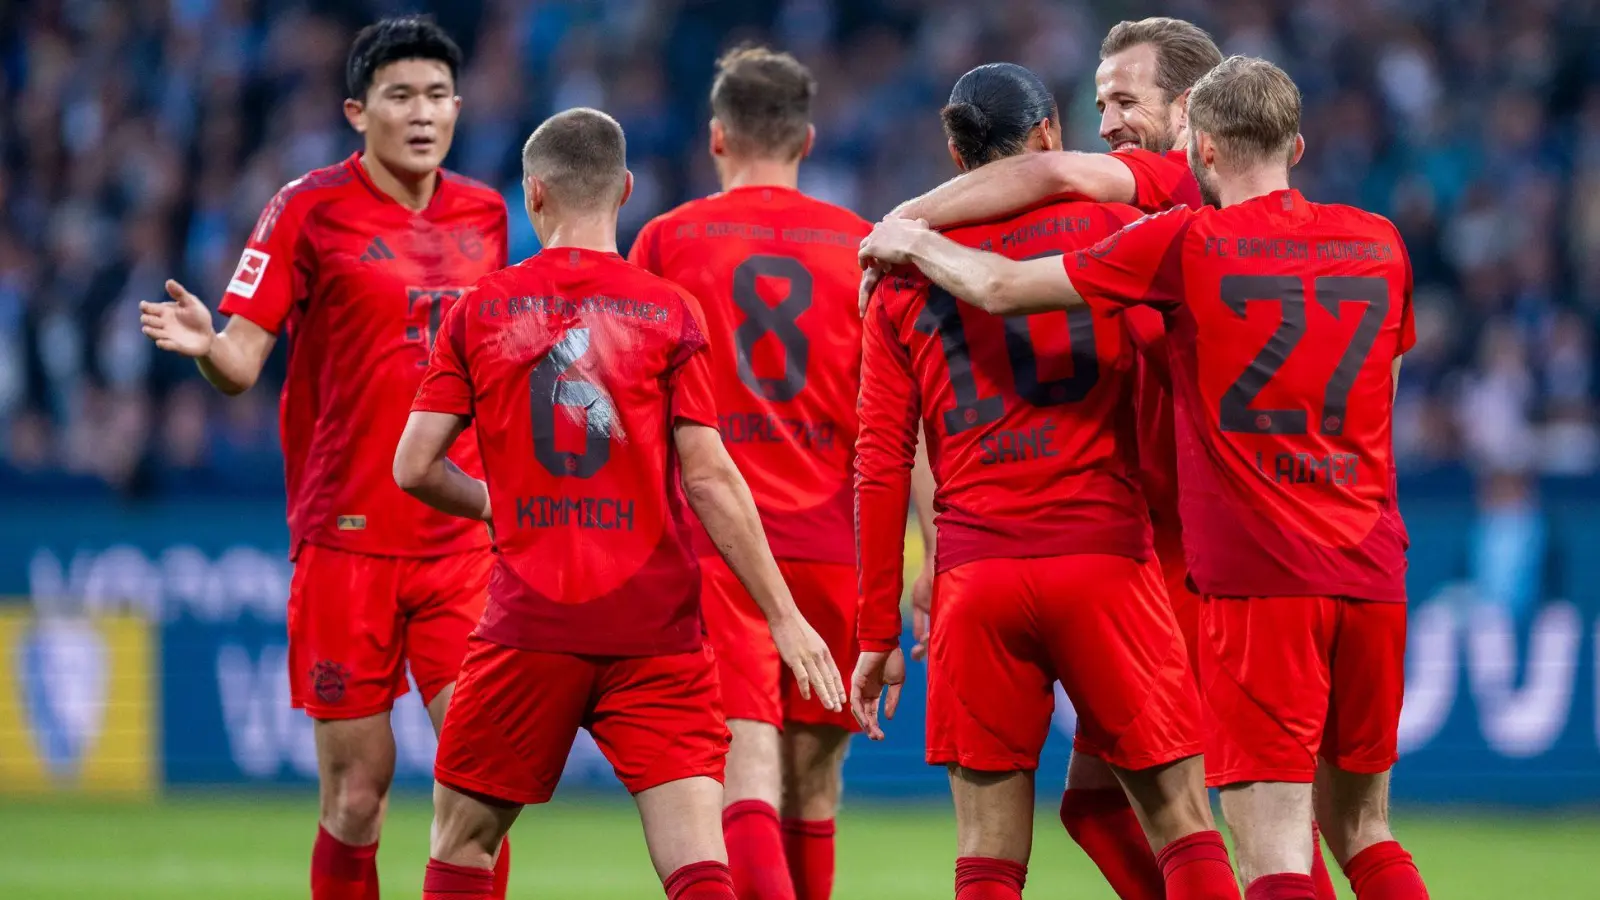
[435, 405]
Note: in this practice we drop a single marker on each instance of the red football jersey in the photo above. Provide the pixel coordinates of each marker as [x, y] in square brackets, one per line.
[1161, 180]
[359, 284]
[589, 518]
[1029, 420]
[1285, 318]
[776, 274]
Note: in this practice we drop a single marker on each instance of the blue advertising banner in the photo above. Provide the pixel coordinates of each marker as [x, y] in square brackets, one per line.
[1501, 706]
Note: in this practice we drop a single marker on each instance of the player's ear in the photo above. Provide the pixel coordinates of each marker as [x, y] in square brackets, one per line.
[627, 188]
[1045, 136]
[719, 138]
[1299, 150]
[955, 155]
[1180, 111]
[811, 141]
[355, 112]
[533, 189]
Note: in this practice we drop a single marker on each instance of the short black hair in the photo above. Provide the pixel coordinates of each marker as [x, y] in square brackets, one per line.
[581, 156]
[391, 40]
[992, 109]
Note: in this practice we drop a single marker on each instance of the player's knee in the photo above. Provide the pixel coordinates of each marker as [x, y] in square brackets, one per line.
[755, 763]
[813, 771]
[354, 805]
[1352, 810]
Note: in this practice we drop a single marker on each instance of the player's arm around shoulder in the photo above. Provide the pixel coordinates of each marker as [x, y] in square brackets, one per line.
[1019, 182]
[986, 280]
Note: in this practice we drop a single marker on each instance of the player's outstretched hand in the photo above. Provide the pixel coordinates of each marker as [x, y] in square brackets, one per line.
[806, 654]
[181, 325]
[876, 670]
[891, 241]
[922, 610]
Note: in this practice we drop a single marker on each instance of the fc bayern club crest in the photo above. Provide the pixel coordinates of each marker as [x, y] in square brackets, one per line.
[469, 242]
[327, 679]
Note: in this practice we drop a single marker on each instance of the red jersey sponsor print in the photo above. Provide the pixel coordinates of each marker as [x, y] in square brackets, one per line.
[776, 274]
[359, 284]
[1285, 318]
[574, 366]
[1161, 180]
[1028, 420]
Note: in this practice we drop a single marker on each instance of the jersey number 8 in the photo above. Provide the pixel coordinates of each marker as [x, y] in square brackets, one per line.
[780, 321]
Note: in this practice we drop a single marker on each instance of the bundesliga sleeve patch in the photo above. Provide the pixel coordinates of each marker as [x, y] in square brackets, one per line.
[246, 278]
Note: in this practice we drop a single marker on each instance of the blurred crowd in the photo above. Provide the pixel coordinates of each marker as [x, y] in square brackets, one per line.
[139, 140]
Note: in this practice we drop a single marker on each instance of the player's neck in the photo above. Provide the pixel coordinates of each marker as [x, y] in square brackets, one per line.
[742, 173]
[590, 233]
[414, 193]
[1252, 184]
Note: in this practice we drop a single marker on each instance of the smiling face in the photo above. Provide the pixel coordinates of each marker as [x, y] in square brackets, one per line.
[1134, 111]
[408, 115]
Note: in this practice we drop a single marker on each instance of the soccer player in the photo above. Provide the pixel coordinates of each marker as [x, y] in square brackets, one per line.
[593, 617]
[776, 274]
[357, 264]
[1290, 319]
[1045, 567]
[1142, 91]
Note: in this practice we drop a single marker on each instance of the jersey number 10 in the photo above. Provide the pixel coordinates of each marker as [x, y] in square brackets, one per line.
[941, 315]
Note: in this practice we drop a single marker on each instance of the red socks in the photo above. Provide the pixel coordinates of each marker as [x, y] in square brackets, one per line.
[1282, 886]
[755, 851]
[982, 878]
[1385, 872]
[1319, 867]
[502, 870]
[808, 845]
[445, 881]
[1196, 867]
[1103, 824]
[707, 880]
[342, 872]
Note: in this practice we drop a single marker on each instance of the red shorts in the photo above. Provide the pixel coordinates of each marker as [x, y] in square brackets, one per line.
[356, 620]
[1292, 678]
[1185, 607]
[755, 683]
[515, 712]
[1004, 630]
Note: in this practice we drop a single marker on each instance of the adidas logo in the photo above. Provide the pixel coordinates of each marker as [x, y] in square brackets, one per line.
[377, 251]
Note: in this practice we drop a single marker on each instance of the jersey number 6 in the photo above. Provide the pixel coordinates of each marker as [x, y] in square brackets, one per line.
[1289, 291]
[548, 390]
[941, 315]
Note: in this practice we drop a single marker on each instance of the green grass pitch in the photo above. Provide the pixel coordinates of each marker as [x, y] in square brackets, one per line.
[257, 846]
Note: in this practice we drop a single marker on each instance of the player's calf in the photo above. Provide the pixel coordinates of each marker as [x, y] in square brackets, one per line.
[1098, 817]
[1170, 801]
[994, 832]
[813, 780]
[467, 833]
[682, 830]
[355, 765]
[1353, 811]
[752, 791]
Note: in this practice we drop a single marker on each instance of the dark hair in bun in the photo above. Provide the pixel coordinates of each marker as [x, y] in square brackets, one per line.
[992, 109]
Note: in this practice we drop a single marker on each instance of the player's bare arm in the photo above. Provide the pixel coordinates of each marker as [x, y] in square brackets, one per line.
[422, 469]
[988, 281]
[1007, 186]
[719, 496]
[231, 361]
